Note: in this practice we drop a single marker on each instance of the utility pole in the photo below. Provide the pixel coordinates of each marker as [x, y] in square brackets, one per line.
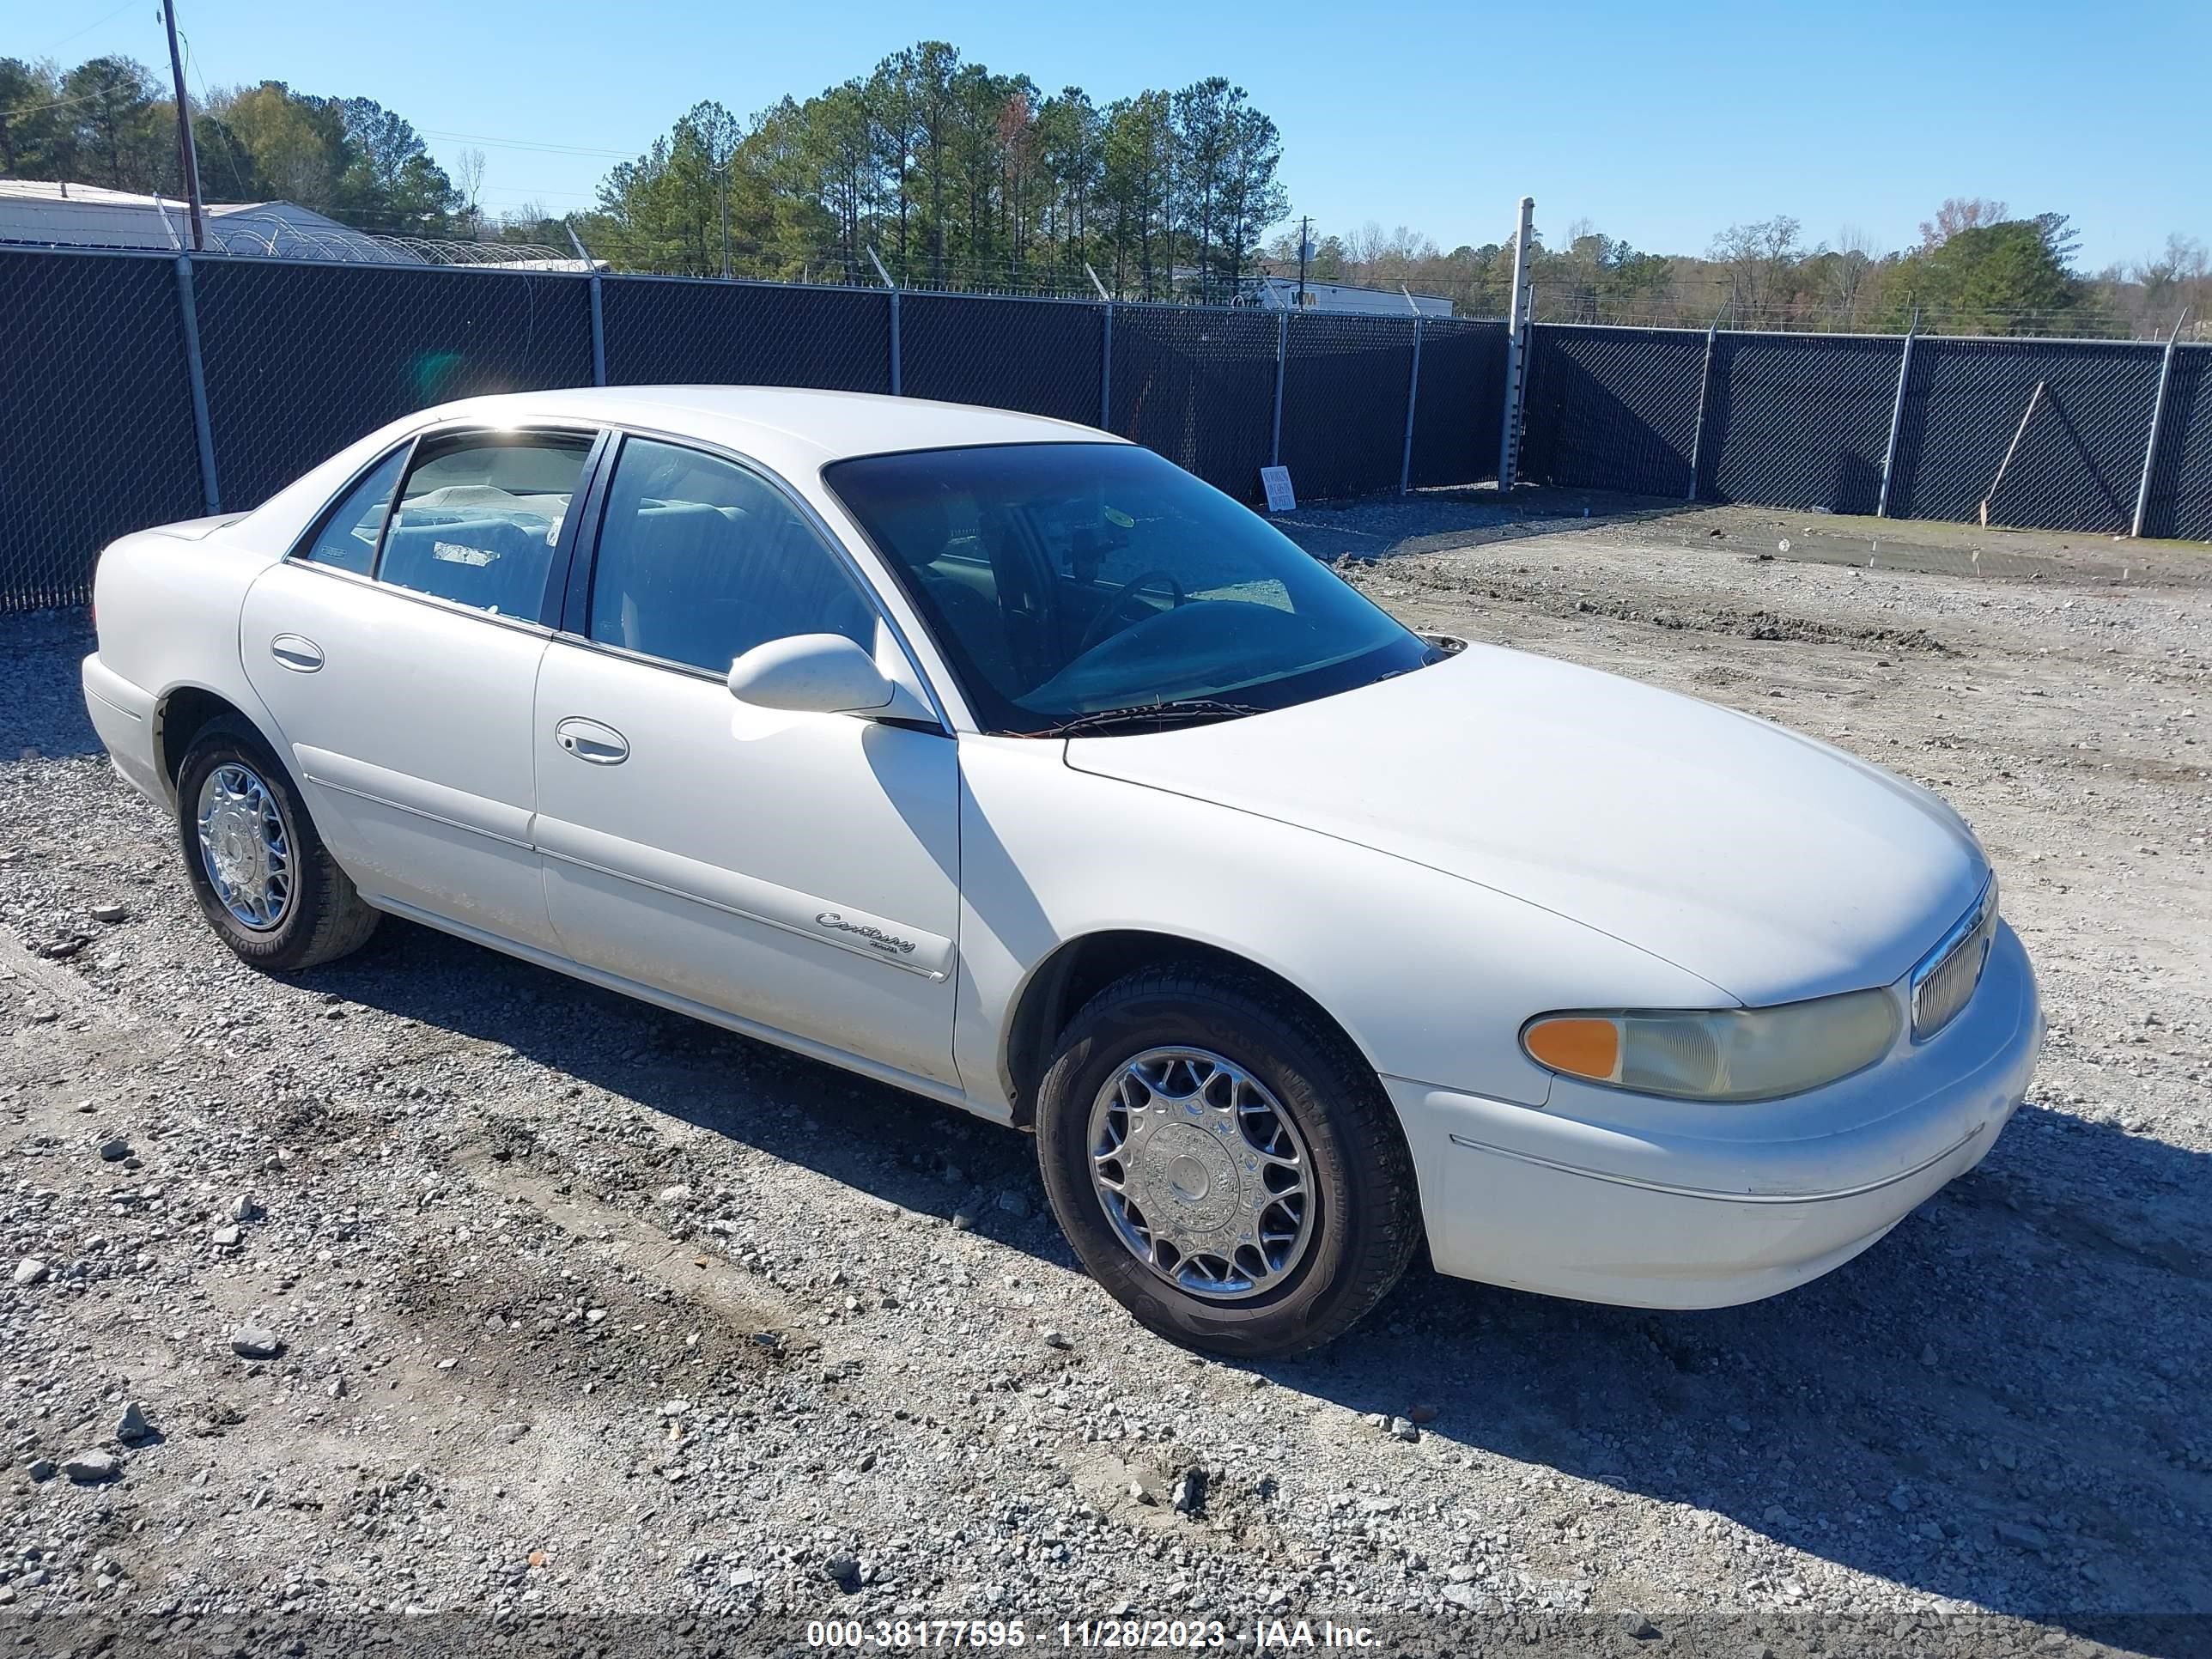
[187, 159]
[1305, 245]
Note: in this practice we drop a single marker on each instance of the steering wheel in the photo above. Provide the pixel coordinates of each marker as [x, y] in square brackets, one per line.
[1100, 627]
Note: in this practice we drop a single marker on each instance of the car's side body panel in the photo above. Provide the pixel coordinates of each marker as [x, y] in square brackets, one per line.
[801, 869]
[421, 781]
[1049, 854]
[935, 1089]
[168, 607]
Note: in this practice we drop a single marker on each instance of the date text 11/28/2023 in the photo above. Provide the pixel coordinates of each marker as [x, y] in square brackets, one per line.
[892, 1635]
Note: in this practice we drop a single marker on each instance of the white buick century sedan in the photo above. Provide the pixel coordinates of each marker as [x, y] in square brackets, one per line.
[1005, 762]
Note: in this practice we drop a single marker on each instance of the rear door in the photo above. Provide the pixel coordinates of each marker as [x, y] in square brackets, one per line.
[798, 871]
[398, 651]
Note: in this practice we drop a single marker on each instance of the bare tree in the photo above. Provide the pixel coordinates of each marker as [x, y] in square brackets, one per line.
[1960, 213]
[468, 181]
[2179, 275]
[1364, 247]
[1759, 256]
[1851, 269]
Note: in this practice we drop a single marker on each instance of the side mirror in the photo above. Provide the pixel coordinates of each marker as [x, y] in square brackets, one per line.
[810, 673]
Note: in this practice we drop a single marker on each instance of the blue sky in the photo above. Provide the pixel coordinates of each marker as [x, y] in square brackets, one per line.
[1658, 125]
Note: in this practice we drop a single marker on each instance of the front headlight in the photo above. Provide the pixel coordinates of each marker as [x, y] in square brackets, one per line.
[1720, 1054]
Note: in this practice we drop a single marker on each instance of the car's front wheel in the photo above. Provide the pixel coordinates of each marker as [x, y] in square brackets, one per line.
[1226, 1164]
[260, 871]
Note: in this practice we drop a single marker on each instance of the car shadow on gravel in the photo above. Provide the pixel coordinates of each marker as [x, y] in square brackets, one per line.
[1994, 1403]
[1997, 1403]
[922, 1155]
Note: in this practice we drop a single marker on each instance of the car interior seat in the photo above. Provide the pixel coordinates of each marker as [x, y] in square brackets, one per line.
[703, 581]
[971, 615]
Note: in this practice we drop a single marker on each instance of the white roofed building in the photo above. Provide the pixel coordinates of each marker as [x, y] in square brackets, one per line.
[49, 215]
[38, 213]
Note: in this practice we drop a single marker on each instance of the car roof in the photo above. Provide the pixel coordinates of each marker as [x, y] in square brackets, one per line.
[790, 428]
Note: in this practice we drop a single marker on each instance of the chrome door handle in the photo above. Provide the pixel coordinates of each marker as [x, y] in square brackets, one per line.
[588, 740]
[297, 653]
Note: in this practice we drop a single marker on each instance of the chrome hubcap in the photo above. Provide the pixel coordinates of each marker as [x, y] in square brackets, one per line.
[243, 846]
[1202, 1173]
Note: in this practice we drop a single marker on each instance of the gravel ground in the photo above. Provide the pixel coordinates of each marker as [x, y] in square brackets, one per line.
[434, 1294]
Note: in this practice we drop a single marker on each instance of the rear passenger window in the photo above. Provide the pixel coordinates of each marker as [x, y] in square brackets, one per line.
[479, 516]
[701, 560]
[347, 540]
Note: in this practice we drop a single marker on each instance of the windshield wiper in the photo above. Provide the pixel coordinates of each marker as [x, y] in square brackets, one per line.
[1158, 715]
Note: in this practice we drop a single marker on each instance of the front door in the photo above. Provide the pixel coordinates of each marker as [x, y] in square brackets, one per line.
[799, 871]
[400, 660]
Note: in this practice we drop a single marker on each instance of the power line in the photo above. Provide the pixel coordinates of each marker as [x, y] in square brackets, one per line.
[61, 103]
[230, 151]
[530, 144]
[88, 27]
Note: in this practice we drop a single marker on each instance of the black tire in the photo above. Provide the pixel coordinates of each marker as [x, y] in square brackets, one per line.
[324, 918]
[1367, 1218]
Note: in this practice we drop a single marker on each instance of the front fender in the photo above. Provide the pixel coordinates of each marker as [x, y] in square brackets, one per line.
[1430, 976]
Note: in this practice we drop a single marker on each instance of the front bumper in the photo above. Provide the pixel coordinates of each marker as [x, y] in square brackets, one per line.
[1728, 1204]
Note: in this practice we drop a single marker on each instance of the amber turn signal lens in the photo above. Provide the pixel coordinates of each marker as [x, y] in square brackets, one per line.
[1577, 1045]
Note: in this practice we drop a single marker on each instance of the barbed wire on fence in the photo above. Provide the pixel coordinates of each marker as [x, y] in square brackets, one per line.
[1720, 304]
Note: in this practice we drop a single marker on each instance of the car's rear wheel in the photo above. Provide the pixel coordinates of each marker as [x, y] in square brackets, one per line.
[268, 885]
[1225, 1164]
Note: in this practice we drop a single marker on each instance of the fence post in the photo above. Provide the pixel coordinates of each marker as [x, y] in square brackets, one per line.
[1413, 400]
[1705, 391]
[894, 288]
[1517, 329]
[1105, 353]
[1106, 374]
[1282, 360]
[598, 334]
[1896, 417]
[599, 313]
[196, 373]
[2157, 420]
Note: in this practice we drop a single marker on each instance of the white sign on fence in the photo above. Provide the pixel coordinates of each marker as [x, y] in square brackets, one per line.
[1279, 496]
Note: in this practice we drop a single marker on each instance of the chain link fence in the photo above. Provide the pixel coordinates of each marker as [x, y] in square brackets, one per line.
[1041, 357]
[2047, 434]
[302, 359]
[1459, 409]
[666, 331]
[143, 388]
[1612, 408]
[1198, 387]
[1796, 419]
[2064, 422]
[2181, 481]
[96, 434]
[1344, 388]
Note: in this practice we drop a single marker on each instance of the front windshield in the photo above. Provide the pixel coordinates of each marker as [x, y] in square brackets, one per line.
[1066, 581]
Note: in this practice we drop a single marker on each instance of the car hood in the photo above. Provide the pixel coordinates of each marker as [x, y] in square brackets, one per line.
[1772, 866]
